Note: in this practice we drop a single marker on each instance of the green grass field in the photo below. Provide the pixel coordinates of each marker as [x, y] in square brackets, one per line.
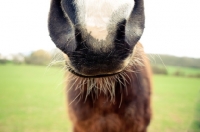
[32, 99]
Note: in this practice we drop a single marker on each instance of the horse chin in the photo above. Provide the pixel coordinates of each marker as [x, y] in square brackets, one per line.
[86, 72]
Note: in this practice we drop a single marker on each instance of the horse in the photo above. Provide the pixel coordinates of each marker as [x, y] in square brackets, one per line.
[107, 72]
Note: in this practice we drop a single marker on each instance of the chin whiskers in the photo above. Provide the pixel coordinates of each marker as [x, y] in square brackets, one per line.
[92, 87]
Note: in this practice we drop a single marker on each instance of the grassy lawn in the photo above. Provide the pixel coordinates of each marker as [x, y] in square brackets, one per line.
[32, 99]
[174, 103]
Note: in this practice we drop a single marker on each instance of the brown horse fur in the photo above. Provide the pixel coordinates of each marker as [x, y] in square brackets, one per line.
[119, 103]
[108, 76]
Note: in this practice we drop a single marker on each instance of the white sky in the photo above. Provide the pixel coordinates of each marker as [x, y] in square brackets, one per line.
[172, 26]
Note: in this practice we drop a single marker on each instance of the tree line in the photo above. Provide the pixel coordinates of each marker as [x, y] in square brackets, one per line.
[42, 57]
[170, 60]
[38, 57]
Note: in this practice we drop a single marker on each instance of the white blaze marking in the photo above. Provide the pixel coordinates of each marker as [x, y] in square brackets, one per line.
[98, 14]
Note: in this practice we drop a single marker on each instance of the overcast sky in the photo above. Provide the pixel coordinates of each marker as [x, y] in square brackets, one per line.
[172, 26]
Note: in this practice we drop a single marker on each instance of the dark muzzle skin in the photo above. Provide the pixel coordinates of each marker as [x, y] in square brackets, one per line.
[71, 37]
[93, 64]
[87, 61]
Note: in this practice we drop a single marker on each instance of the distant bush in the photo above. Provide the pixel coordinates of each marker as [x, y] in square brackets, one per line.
[3, 61]
[182, 74]
[194, 75]
[178, 73]
[17, 62]
[39, 57]
[159, 70]
[198, 75]
[18, 59]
